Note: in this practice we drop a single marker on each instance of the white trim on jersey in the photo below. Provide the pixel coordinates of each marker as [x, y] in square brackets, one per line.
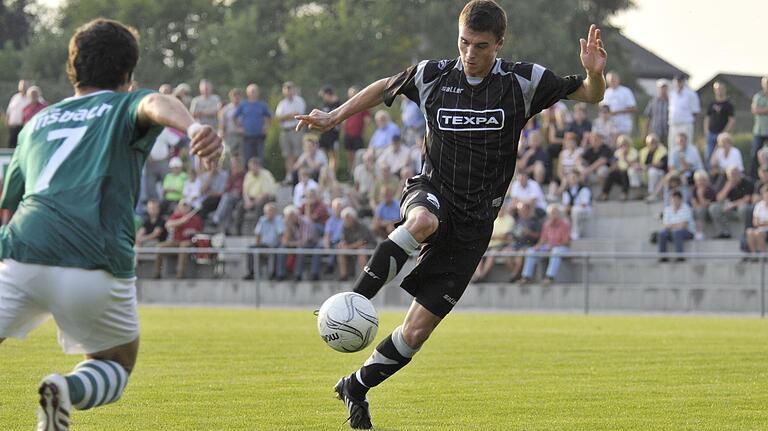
[528, 87]
[86, 95]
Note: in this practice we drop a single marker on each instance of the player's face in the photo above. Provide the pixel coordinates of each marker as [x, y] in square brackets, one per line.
[478, 51]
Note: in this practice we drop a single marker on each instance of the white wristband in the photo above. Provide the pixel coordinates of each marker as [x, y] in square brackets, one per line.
[193, 128]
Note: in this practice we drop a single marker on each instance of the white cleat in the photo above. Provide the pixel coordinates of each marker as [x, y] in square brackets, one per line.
[53, 413]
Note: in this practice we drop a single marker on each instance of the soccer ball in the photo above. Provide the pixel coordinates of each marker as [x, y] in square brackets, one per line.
[347, 322]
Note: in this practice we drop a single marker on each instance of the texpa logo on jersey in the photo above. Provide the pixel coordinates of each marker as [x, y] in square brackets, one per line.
[467, 119]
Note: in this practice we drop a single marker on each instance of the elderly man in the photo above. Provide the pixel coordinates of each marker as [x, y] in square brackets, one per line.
[555, 239]
[732, 202]
[385, 132]
[657, 112]
[719, 119]
[36, 103]
[290, 139]
[684, 105]
[259, 187]
[253, 116]
[726, 155]
[184, 223]
[354, 236]
[622, 103]
[15, 112]
[653, 160]
[268, 234]
[205, 107]
[678, 225]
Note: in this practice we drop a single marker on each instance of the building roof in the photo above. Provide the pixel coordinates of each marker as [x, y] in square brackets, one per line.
[644, 63]
[747, 85]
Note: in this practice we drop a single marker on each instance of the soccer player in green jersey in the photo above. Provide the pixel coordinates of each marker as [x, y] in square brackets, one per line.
[72, 185]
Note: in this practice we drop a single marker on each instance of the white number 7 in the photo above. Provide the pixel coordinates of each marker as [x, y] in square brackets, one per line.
[71, 138]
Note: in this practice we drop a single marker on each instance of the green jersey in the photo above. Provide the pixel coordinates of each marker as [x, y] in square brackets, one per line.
[73, 183]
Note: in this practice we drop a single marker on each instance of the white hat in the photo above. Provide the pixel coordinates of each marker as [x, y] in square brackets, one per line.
[175, 163]
[661, 83]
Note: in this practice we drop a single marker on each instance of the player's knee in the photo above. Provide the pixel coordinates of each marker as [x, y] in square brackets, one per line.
[415, 336]
[421, 224]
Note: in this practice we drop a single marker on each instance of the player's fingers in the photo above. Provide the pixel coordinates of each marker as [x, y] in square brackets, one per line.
[592, 32]
[301, 124]
[583, 44]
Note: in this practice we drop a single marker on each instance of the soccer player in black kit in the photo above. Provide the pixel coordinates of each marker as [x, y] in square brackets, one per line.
[475, 107]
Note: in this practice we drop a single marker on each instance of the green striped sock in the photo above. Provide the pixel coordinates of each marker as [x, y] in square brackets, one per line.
[95, 383]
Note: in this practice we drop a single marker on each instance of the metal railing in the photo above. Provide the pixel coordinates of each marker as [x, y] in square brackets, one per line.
[584, 257]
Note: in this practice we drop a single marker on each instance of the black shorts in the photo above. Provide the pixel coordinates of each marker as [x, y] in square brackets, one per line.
[353, 143]
[328, 140]
[449, 257]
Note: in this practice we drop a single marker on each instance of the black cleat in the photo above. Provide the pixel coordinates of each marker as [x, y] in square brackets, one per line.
[359, 417]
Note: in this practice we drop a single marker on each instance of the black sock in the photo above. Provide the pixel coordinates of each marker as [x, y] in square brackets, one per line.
[387, 260]
[390, 356]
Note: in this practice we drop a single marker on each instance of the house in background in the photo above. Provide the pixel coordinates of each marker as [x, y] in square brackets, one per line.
[646, 66]
[740, 89]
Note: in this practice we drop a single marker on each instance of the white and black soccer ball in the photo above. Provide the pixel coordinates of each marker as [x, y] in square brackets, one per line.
[347, 322]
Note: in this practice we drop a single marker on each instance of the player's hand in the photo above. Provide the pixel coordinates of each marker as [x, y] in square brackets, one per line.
[206, 144]
[316, 120]
[593, 55]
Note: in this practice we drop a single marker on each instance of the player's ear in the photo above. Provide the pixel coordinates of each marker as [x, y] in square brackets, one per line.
[499, 44]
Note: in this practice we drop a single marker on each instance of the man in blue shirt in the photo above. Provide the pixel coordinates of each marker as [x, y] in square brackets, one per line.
[253, 116]
[413, 121]
[332, 232]
[387, 213]
[385, 131]
[269, 232]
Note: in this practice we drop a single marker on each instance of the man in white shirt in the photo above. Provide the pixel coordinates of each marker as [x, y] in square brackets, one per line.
[622, 103]
[678, 225]
[726, 155]
[526, 190]
[683, 106]
[14, 113]
[395, 156]
[290, 139]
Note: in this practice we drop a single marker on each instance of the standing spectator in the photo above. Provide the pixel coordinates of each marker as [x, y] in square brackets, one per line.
[152, 230]
[14, 115]
[253, 116]
[364, 180]
[269, 232]
[719, 118]
[394, 156]
[580, 124]
[413, 122]
[527, 190]
[385, 131]
[355, 236]
[625, 171]
[182, 92]
[156, 166]
[653, 160]
[184, 223]
[684, 105]
[233, 194]
[259, 187]
[387, 213]
[525, 234]
[757, 235]
[205, 107]
[726, 155]
[299, 232]
[213, 183]
[733, 201]
[678, 225]
[702, 197]
[35, 104]
[290, 139]
[760, 129]
[555, 239]
[622, 103]
[354, 127]
[534, 161]
[657, 112]
[229, 129]
[311, 159]
[301, 188]
[596, 160]
[500, 239]
[173, 185]
[577, 203]
[604, 126]
[329, 140]
[332, 233]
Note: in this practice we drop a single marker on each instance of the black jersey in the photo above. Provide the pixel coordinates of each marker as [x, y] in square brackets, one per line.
[473, 130]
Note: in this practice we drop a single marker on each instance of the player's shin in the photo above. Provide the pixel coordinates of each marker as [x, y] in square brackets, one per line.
[387, 261]
[390, 356]
[96, 382]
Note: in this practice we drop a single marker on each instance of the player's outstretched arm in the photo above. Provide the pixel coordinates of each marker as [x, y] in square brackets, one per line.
[593, 58]
[369, 97]
[168, 111]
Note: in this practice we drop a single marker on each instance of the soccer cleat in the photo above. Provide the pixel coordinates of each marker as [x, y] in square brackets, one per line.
[53, 413]
[359, 417]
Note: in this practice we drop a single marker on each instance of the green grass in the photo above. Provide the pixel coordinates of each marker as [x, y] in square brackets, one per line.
[241, 369]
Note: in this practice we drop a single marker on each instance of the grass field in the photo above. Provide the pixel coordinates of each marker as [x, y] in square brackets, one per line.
[240, 369]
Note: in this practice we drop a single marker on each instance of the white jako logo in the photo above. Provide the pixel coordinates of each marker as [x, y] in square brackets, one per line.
[433, 200]
[467, 119]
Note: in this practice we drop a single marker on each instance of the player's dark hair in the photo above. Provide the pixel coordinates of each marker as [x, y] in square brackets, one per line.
[102, 54]
[484, 16]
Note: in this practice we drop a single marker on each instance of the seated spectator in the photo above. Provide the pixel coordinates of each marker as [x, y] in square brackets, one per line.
[305, 184]
[394, 156]
[385, 130]
[556, 123]
[726, 155]
[604, 126]
[525, 234]
[193, 189]
[312, 160]
[259, 187]
[233, 194]
[384, 179]
[269, 232]
[387, 213]
[35, 103]
[686, 160]
[678, 225]
[757, 235]
[580, 125]
[701, 198]
[762, 179]
[213, 183]
[328, 187]
[185, 224]
[732, 202]
[355, 236]
[569, 157]
[653, 160]
[299, 232]
[526, 190]
[500, 239]
[314, 208]
[362, 188]
[152, 230]
[173, 185]
[332, 232]
[625, 171]
[596, 160]
[534, 160]
[556, 239]
[577, 202]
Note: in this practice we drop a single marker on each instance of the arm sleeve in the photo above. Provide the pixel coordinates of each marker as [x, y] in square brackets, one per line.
[417, 82]
[13, 186]
[402, 83]
[549, 88]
